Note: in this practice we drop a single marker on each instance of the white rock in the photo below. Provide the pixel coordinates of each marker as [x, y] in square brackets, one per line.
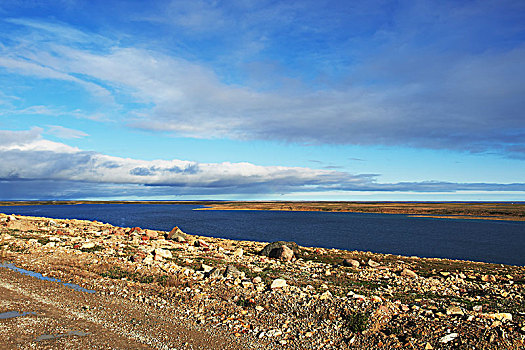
[87, 245]
[408, 273]
[163, 253]
[238, 252]
[448, 338]
[274, 333]
[373, 263]
[278, 283]
[325, 295]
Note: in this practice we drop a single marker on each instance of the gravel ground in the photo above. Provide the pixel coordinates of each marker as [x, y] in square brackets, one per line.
[160, 290]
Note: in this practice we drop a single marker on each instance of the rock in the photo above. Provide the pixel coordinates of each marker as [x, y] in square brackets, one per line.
[201, 243]
[278, 283]
[163, 253]
[135, 230]
[325, 295]
[151, 234]
[148, 260]
[373, 263]
[488, 278]
[448, 338]
[408, 273]
[214, 273]
[351, 263]
[238, 252]
[454, 310]
[428, 346]
[259, 308]
[232, 271]
[274, 333]
[138, 257]
[376, 299]
[501, 316]
[477, 308]
[257, 280]
[271, 246]
[283, 253]
[177, 235]
[87, 245]
[206, 268]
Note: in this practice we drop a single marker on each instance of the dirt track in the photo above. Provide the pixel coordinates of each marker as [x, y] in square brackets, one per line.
[110, 322]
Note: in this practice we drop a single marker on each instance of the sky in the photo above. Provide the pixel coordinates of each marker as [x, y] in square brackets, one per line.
[262, 100]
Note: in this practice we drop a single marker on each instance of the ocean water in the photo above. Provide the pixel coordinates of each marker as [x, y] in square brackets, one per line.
[477, 240]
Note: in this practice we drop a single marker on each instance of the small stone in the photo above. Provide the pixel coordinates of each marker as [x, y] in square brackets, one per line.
[278, 283]
[408, 273]
[148, 260]
[373, 263]
[87, 245]
[274, 333]
[503, 316]
[138, 257]
[448, 338]
[206, 268]
[477, 308]
[163, 253]
[488, 278]
[376, 299]
[257, 280]
[232, 271]
[308, 334]
[428, 346]
[454, 310]
[259, 308]
[238, 252]
[325, 295]
[201, 243]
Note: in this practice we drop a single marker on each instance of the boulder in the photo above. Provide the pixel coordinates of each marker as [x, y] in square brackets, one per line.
[283, 253]
[276, 245]
[351, 263]
[408, 273]
[176, 234]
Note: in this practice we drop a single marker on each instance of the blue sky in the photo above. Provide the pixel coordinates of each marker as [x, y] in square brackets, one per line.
[375, 100]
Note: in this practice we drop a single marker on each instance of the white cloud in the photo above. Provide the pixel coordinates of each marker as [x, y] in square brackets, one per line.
[65, 133]
[60, 170]
[418, 97]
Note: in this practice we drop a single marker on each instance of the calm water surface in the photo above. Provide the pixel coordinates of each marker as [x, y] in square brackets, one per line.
[478, 240]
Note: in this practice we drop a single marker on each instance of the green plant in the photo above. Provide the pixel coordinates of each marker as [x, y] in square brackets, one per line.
[357, 322]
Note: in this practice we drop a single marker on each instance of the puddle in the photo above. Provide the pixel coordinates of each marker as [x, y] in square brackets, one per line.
[44, 278]
[13, 314]
[78, 288]
[53, 336]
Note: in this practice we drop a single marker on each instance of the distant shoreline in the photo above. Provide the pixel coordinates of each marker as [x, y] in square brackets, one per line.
[508, 211]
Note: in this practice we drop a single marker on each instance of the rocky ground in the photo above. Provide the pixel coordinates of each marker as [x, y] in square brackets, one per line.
[163, 290]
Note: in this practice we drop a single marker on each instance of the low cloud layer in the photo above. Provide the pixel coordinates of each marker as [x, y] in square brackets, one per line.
[35, 168]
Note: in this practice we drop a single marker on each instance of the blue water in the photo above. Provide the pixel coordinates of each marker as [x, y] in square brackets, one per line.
[44, 278]
[477, 240]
